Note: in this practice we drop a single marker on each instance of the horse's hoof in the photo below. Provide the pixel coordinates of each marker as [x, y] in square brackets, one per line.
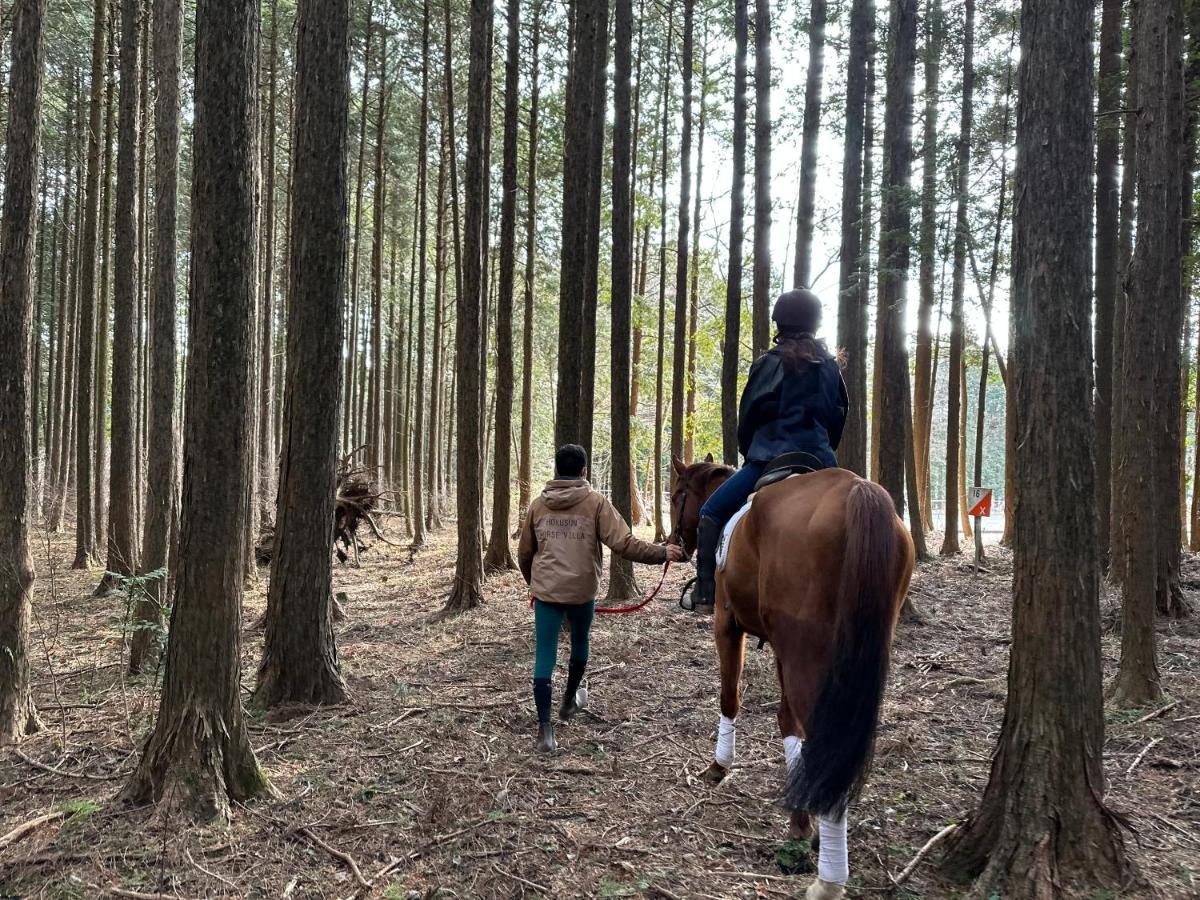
[800, 828]
[715, 773]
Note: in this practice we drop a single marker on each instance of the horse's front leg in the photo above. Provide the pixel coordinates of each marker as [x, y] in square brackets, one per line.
[731, 650]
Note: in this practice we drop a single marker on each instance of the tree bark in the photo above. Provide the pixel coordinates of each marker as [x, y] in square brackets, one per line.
[731, 348]
[417, 460]
[499, 554]
[923, 375]
[762, 178]
[689, 426]
[955, 434]
[1153, 319]
[299, 663]
[660, 533]
[374, 415]
[806, 208]
[622, 585]
[852, 289]
[18, 714]
[160, 482]
[101, 379]
[894, 247]
[682, 243]
[122, 540]
[468, 573]
[199, 758]
[525, 465]
[1042, 826]
[85, 530]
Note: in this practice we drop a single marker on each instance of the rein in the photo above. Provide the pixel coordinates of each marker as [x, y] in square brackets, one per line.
[618, 610]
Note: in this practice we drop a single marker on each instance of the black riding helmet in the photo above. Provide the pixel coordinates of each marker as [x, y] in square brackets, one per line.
[797, 312]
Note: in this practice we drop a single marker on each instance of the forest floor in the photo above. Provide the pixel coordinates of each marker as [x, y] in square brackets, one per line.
[429, 769]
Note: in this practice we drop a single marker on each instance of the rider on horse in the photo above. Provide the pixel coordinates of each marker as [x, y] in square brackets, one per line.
[794, 401]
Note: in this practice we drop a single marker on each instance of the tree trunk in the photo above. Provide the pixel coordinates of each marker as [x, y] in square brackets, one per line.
[199, 758]
[660, 533]
[374, 415]
[268, 460]
[299, 663]
[923, 375]
[622, 585]
[1108, 206]
[1153, 319]
[894, 248]
[417, 460]
[525, 465]
[499, 554]
[955, 434]
[689, 426]
[160, 482]
[18, 715]
[682, 242]
[1190, 230]
[852, 289]
[101, 377]
[85, 532]
[437, 427]
[122, 539]
[468, 573]
[731, 348]
[762, 178]
[1042, 825]
[806, 207]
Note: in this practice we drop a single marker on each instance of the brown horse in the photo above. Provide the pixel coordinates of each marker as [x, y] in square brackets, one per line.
[818, 568]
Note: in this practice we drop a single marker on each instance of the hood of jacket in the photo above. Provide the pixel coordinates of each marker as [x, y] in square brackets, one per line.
[565, 493]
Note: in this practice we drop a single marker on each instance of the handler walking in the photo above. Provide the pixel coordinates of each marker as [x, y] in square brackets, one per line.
[560, 557]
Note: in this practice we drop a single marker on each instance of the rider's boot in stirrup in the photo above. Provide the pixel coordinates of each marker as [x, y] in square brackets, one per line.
[708, 535]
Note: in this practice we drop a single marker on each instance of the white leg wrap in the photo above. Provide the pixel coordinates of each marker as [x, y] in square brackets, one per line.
[832, 861]
[726, 739]
[792, 746]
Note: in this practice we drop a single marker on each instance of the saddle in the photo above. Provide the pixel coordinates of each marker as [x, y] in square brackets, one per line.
[782, 467]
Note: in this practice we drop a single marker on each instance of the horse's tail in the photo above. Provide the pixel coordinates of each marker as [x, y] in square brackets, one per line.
[840, 731]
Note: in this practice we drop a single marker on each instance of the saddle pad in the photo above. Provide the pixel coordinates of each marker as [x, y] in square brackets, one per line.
[727, 535]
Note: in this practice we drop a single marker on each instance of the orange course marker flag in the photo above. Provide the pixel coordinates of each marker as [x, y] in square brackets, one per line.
[980, 500]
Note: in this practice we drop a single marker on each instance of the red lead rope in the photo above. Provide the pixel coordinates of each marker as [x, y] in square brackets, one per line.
[617, 610]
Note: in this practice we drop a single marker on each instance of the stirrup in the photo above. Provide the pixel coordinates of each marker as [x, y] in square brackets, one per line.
[687, 600]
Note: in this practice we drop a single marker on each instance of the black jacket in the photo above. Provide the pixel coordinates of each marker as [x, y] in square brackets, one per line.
[788, 412]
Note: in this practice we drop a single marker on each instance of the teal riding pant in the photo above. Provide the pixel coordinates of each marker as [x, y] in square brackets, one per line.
[548, 621]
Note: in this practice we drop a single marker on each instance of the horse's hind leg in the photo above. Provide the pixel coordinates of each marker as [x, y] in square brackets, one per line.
[800, 823]
[731, 650]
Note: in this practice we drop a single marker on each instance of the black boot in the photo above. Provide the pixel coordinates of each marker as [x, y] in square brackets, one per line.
[704, 596]
[570, 702]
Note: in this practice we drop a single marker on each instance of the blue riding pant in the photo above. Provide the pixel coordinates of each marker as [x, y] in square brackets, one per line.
[732, 495]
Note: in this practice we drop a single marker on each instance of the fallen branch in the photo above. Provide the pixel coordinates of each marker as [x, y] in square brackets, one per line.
[139, 895]
[1133, 765]
[31, 826]
[338, 854]
[520, 880]
[906, 873]
[1157, 712]
[63, 772]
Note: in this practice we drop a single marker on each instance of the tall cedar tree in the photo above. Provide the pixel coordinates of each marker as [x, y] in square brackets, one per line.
[122, 503]
[852, 286]
[417, 460]
[18, 715]
[731, 350]
[894, 247]
[573, 278]
[160, 474]
[374, 415]
[1042, 824]
[1193, 133]
[499, 554]
[525, 466]
[1108, 207]
[299, 663]
[806, 205]
[679, 355]
[268, 462]
[199, 758]
[955, 433]
[762, 178]
[621, 582]
[689, 420]
[468, 571]
[1153, 318]
[923, 389]
[85, 525]
[100, 378]
[660, 372]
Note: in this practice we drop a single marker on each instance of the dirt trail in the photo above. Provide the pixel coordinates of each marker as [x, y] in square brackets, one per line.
[429, 772]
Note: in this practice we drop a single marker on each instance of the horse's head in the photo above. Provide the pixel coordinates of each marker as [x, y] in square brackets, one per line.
[690, 487]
